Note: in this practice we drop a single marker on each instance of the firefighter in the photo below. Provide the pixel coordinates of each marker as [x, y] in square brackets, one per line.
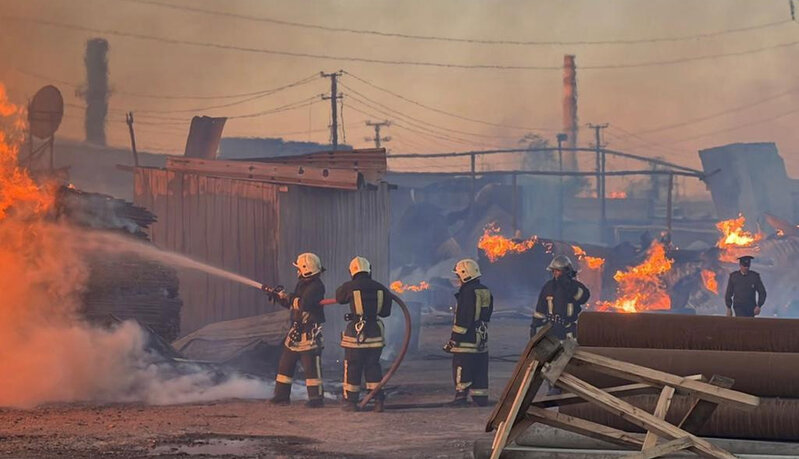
[745, 291]
[364, 337]
[303, 342]
[560, 300]
[468, 342]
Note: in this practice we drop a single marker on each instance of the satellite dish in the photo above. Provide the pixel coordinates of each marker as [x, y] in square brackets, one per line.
[45, 112]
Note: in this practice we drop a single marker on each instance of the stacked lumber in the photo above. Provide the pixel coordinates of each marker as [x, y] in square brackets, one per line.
[760, 355]
[122, 285]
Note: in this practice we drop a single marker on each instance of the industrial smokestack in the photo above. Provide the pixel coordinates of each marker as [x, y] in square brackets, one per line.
[96, 91]
[570, 110]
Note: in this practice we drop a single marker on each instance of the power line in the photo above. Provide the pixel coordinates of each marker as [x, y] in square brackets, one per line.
[437, 110]
[703, 35]
[739, 126]
[390, 61]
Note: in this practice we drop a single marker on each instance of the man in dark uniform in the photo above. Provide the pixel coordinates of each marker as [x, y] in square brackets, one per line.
[745, 291]
[468, 341]
[364, 338]
[560, 300]
[303, 342]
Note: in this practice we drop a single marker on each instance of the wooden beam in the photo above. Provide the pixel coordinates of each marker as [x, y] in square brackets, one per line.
[672, 446]
[636, 415]
[507, 425]
[701, 410]
[583, 427]
[552, 370]
[638, 373]
[502, 408]
[619, 391]
[269, 172]
[662, 407]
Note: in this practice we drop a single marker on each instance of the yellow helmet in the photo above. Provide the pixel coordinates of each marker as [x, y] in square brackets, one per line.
[308, 264]
[360, 265]
[467, 269]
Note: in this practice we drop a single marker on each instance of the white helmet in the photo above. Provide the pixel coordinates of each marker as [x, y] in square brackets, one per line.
[467, 269]
[308, 264]
[561, 263]
[360, 265]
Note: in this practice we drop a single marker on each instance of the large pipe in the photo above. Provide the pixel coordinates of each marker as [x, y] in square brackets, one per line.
[774, 419]
[677, 331]
[765, 374]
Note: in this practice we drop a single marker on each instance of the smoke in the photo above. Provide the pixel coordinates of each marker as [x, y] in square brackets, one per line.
[47, 352]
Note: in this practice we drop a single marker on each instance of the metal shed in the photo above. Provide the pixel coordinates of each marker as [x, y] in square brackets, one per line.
[253, 218]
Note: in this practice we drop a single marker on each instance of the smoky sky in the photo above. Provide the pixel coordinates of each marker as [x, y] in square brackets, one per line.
[632, 100]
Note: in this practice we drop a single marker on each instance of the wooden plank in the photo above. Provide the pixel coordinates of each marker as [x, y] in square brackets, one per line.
[662, 407]
[669, 447]
[636, 415]
[505, 426]
[503, 406]
[638, 373]
[584, 427]
[269, 172]
[552, 370]
[701, 410]
[571, 399]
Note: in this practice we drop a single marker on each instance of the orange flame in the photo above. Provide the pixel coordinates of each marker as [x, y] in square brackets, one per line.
[641, 288]
[733, 234]
[399, 287]
[590, 262]
[617, 195]
[496, 246]
[18, 192]
[709, 281]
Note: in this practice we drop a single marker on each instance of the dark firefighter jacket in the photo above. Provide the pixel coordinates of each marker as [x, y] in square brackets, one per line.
[472, 313]
[307, 314]
[369, 300]
[741, 290]
[559, 303]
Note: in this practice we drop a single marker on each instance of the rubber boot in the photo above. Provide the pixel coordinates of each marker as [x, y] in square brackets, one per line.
[315, 403]
[282, 395]
[379, 399]
[349, 405]
[460, 400]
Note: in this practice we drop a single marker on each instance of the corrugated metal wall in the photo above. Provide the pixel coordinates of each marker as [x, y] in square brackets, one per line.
[227, 223]
[337, 225]
[257, 229]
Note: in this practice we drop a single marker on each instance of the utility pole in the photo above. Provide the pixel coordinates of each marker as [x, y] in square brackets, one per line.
[562, 137]
[334, 98]
[377, 139]
[129, 120]
[600, 176]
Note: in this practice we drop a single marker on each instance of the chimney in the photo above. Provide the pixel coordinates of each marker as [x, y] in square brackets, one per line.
[96, 91]
[570, 110]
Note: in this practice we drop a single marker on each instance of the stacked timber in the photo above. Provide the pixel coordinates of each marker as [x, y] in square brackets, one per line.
[761, 355]
[123, 286]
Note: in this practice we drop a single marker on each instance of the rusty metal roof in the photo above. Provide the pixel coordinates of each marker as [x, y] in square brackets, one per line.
[370, 162]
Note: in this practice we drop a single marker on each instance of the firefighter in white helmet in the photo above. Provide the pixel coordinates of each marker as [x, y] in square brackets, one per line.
[364, 338]
[303, 342]
[468, 342]
[560, 300]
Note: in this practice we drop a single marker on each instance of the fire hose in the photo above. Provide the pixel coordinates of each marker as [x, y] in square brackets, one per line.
[397, 361]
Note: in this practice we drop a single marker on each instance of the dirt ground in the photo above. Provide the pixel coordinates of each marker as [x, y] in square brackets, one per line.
[253, 428]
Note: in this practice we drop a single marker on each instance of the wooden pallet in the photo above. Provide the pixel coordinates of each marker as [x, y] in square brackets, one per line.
[547, 358]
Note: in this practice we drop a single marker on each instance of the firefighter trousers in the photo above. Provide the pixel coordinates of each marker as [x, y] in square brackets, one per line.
[358, 362]
[470, 373]
[312, 366]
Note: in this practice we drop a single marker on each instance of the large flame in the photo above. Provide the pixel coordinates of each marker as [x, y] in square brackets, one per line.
[589, 262]
[641, 288]
[399, 287]
[734, 235]
[709, 281]
[496, 246]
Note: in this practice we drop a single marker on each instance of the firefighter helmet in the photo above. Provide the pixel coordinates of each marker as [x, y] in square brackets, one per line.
[560, 263]
[308, 264]
[467, 269]
[360, 265]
